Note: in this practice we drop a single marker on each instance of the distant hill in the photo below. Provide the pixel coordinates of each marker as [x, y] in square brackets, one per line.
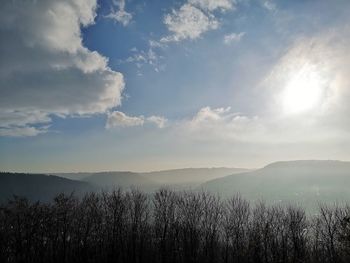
[110, 180]
[38, 186]
[303, 182]
[190, 176]
[179, 178]
[73, 176]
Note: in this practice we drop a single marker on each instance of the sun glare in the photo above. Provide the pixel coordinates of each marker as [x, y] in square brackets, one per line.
[303, 92]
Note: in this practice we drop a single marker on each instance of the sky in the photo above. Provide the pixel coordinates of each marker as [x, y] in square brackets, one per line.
[89, 85]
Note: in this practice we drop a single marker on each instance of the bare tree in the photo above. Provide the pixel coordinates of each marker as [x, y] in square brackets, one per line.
[297, 233]
[328, 225]
[236, 225]
[185, 227]
[190, 213]
[212, 213]
[115, 218]
[139, 232]
[165, 228]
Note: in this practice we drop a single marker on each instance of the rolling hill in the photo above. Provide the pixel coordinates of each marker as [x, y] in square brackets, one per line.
[303, 182]
[110, 180]
[190, 176]
[39, 186]
[177, 178]
[73, 176]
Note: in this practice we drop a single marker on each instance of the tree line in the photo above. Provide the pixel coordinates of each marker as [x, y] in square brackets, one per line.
[169, 227]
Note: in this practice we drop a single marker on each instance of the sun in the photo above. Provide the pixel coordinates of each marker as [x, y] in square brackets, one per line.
[303, 91]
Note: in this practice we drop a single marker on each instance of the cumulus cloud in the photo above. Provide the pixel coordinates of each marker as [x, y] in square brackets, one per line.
[45, 69]
[194, 18]
[120, 119]
[120, 15]
[233, 38]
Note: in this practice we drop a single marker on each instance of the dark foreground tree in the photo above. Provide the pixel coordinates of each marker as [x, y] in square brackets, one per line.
[169, 227]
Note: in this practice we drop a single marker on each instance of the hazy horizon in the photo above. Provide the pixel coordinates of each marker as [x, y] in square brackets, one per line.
[125, 170]
[26, 170]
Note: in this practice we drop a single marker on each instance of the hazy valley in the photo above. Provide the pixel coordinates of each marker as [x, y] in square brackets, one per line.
[306, 183]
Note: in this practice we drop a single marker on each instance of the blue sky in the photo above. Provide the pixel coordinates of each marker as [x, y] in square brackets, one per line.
[147, 85]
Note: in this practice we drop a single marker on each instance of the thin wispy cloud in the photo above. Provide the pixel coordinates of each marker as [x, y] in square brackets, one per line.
[270, 5]
[149, 57]
[233, 38]
[120, 119]
[212, 5]
[189, 22]
[119, 14]
[193, 19]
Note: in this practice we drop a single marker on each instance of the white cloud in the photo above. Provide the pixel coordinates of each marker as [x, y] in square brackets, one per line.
[18, 118]
[207, 114]
[156, 44]
[212, 5]
[120, 119]
[18, 124]
[44, 67]
[233, 38]
[25, 131]
[142, 57]
[224, 125]
[159, 121]
[189, 22]
[149, 57]
[194, 18]
[120, 15]
[269, 5]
